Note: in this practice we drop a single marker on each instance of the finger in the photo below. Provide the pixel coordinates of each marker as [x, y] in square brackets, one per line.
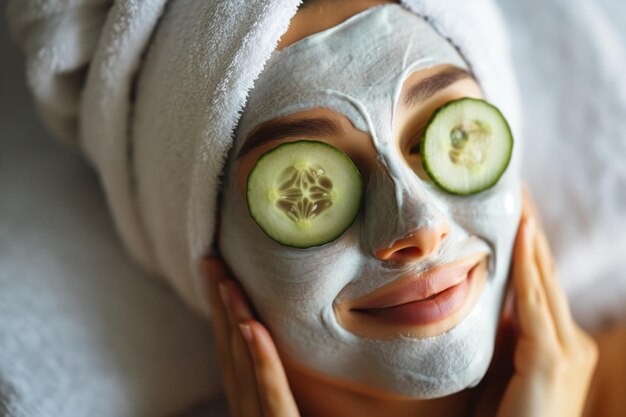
[247, 391]
[556, 297]
[528, 204]
[216, 273]
[276, 398]
[534, 316]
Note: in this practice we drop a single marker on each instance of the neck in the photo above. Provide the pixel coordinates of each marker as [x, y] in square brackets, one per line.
[318, 395]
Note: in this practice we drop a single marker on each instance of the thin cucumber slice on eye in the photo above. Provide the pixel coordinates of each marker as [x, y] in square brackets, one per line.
[304, 193]
[467, 146]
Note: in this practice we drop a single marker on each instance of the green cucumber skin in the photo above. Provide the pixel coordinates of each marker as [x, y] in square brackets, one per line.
[317, 143]
[427, 167]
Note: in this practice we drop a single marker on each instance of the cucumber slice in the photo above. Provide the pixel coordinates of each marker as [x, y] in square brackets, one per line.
[467, 146]
[304, 193]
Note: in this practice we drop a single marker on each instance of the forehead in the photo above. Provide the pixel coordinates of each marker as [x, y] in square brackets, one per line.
[367, 56]
[422, 92]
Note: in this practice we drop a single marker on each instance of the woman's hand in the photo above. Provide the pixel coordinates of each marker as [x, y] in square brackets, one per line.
[554, 359]
[253, 375]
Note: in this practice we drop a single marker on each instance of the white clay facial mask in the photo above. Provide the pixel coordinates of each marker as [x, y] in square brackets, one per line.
[357, 69]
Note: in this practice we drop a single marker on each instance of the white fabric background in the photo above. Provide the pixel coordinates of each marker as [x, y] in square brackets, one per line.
[83, 309]
[570, 59]
[83, 332]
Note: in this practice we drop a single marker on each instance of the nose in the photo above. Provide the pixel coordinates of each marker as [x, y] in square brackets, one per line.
[419, 243]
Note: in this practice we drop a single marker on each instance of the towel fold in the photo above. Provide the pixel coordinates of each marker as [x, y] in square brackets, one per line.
[158, 127]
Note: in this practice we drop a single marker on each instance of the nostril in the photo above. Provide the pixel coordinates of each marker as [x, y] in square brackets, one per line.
[444, 235]
[407, 253]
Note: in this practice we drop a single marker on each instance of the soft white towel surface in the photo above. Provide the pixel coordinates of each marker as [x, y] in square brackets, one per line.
[83, 331]
[570, 59]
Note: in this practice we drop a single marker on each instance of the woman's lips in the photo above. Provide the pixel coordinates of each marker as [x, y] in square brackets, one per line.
[423, 299]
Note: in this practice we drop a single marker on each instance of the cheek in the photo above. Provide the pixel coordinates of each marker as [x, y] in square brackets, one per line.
[279, 279]
[492, 214]
[494, 217]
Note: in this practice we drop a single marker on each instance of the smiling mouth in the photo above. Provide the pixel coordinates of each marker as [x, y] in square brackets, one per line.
[420, 300]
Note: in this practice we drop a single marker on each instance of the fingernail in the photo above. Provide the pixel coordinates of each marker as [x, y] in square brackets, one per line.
[530, 226]
[239, 308]
[224, 295]
[246, 332]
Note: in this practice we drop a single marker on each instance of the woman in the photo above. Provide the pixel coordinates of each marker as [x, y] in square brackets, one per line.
[155, 112]
[554, 359]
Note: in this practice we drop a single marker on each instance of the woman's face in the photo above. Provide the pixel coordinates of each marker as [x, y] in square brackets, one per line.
[406, 300]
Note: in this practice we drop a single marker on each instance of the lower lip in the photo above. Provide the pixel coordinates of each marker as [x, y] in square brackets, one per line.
[428, 311]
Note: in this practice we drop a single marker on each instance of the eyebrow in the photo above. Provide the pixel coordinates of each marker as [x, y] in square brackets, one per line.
[282, 129]
[324, 127]
[428, 87]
